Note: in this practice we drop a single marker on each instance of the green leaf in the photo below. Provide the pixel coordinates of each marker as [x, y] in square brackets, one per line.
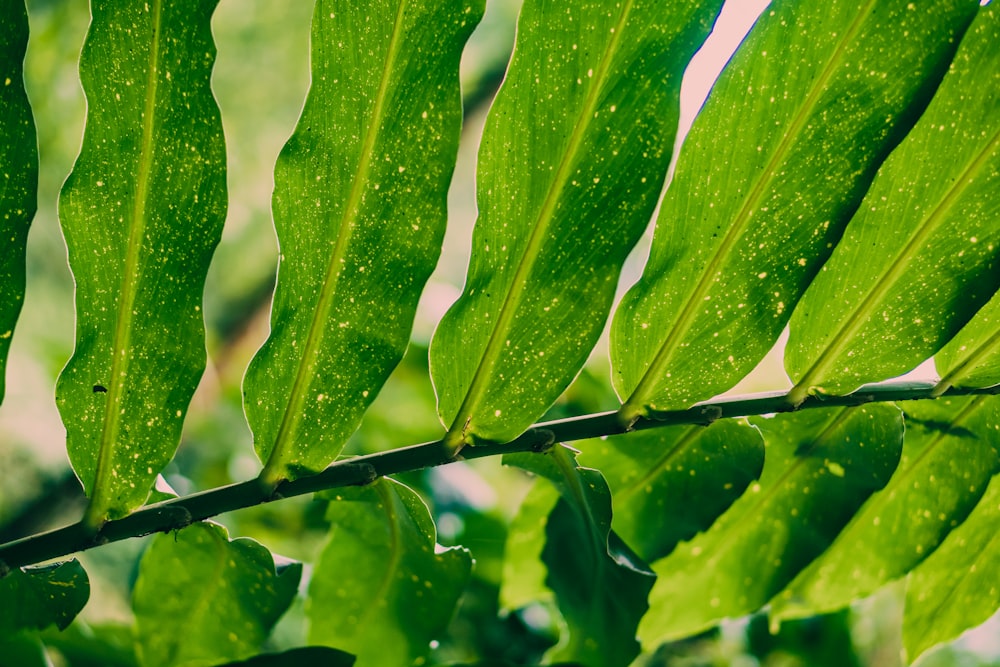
[655, 474]
[382, 589]
[950, 452]
[773, 169]
[36, 597]
[524, 572]
[141, 213]
[572, 161]
[599, 584]
[819, 467]
[201, 598]
[956, 587]
[18, 171]
[972, 358]
[306, 655]
[23, 649]
[923, 253]
[360, 209]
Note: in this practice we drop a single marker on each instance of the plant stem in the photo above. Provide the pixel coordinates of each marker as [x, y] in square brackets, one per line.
[179, 512]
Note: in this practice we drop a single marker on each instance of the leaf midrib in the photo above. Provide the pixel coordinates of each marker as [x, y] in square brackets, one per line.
[275, 468]
[691, 435]
[457, 434]
[968, 364]
[637, 402]
[101, 501]
[893, 273]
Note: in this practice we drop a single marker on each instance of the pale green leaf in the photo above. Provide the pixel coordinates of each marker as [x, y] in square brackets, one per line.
[773, 169]
[382, 589]
[201, 599]
[141, 213]
[34, 598]
[972, 358]
[819, 467]
[958, 586]
[523, 578]
[655, 474]
[923, 253]
[360, 210]
[573, 157]
[18, 171]
[598, 583]
[950, 452]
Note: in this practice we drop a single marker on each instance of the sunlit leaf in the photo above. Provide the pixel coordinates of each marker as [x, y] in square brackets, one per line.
[950, 453]
[523, 580]
[202, 599]
[18, 171]
[773, 169]
[957, 587]
[655, 474]
[923, 253]
[360, 209]
[599, 584]
[36, 597]
[819, 467]
[141, 213]
[382, 589]
[972, 358]
[573, 157]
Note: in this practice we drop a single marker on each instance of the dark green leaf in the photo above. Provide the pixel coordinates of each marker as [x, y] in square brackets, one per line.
[141, 213]
[950, 452]
[23, 649]
[360, 209]
[773, 169]
[599, 584]
[201, 598]
[655, 475]
[18, 171]
[923, 253]
[382, 589]
[956, 588]
[819, 467]
[572, 161]
[307, 655]
[34, 598]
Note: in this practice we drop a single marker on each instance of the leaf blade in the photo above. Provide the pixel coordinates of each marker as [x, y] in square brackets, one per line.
[819, 467]
[401, 592]
[761, 194]
[920, 258]
[141, 212]
[201, 598]
[18, 173]
[558, 211]
[36, 597]
[359, 243]
[949, 455]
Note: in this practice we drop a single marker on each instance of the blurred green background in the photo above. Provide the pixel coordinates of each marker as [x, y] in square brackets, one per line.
[260, 81]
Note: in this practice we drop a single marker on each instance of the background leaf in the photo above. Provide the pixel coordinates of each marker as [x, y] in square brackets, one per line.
[773, 169]
[655, 474]
[956, 587]
[307, 655]
[819, 467]
[950, 452]
[36, 597]
[524, 572]
[201, 598]
[18, 172]
[921, 256]
[381, 588]
[141, 213]
[360, 209]
[572, 161]
[599, 584]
